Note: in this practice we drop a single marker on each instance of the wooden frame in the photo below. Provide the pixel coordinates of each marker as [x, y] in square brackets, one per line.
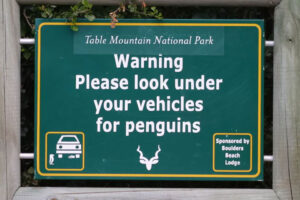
[286, 120]
[168, 2]
[10, 98]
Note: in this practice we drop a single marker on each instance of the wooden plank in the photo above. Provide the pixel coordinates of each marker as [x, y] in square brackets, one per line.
[10, 97]
[60, 193]
[3, 188]
[286, 120]
[267, 3]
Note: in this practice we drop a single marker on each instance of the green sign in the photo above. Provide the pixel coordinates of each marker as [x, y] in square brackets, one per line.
[160, 100]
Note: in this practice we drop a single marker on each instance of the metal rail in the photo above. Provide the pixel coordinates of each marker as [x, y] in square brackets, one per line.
[26, 156]
[27, 41]
[268, 158]
[269, 43]
[24, 41]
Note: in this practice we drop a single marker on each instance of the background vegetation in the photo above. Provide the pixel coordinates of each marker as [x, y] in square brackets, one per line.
[135, 10]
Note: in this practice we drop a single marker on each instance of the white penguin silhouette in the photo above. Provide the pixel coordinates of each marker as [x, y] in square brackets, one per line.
[51, 159]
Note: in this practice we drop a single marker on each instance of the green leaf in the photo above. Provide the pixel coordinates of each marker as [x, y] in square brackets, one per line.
[74, 20]
[30, 170]
[74, 8]
[74, 28]
[89, 6]
[90, 17]
[85, 2]
[27, 55]
[44, 15]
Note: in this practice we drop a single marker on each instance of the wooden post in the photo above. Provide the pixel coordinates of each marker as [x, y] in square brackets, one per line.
[2, 109]
[9, 99]
[286, 173]
[286, 120]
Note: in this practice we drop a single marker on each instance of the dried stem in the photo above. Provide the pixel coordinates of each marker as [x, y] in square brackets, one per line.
[27, 20]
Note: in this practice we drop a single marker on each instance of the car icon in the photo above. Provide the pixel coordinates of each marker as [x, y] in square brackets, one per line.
[68, 144]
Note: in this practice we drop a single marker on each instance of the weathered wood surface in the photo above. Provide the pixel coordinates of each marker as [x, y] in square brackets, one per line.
[267, 3]
[286, 180]
[9, 98]
[286, 120]
[2, 108]
[142, 194]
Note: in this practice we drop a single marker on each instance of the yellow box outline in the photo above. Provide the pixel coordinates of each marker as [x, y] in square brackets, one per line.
[153, 175]
[232, 170]
[46, 151]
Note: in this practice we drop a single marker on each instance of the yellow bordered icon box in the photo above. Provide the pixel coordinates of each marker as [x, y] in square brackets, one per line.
[250, 152]
[64, 151]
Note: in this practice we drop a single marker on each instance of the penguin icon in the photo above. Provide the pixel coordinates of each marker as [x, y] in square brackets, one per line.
[51, 159]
